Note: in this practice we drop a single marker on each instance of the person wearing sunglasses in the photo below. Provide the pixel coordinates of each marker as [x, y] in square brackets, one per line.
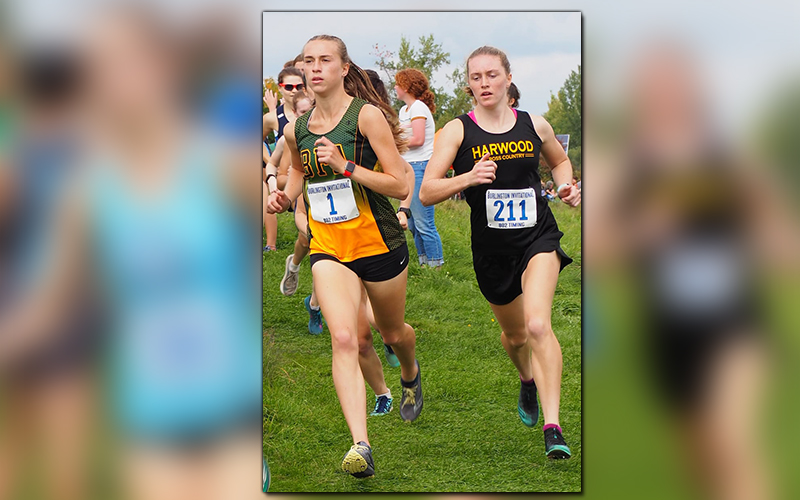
[290, 80]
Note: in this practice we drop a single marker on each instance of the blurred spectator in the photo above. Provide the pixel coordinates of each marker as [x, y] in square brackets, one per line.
[549, 191]
[161, 213]
[694, 241]
[46, 374]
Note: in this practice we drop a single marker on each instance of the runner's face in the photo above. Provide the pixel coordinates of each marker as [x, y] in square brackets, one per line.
[290, 95]
[322, 66]
[303, 106]
[488, 80]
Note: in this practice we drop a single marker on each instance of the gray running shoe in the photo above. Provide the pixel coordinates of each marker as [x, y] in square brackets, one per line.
[290, 279]
[411, 402]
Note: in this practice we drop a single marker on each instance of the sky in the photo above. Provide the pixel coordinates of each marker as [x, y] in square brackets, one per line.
[747, 47]
[543, 47]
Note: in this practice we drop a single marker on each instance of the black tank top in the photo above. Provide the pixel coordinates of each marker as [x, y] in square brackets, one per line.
[282, 121]
[516, 153]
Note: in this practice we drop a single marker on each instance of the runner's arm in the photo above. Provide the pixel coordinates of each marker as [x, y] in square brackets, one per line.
[560, 166]
[392, 182]
[435, 186]
[279, 201]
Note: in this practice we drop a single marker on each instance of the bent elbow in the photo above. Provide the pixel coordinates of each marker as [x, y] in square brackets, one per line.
[423, 196]
[402, 193]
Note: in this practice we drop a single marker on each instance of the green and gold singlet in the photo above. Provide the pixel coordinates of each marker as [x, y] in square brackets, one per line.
[345, 219]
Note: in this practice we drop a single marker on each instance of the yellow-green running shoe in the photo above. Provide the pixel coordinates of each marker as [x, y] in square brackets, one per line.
[358, 461]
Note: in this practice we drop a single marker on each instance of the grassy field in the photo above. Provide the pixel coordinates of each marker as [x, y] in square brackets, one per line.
[468, 437]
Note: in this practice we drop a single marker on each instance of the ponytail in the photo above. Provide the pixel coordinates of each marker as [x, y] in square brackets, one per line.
[358, 84]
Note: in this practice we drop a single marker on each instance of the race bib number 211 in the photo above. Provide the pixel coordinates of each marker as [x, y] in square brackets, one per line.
[510, 208]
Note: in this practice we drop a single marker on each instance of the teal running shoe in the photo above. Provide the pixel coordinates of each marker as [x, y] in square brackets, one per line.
[528, 407]
[264, 475]
[390, 356]
[554, 445]
[314, 318]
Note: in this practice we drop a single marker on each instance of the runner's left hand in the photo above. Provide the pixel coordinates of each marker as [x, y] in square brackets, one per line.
[403, 220]
[570, 195]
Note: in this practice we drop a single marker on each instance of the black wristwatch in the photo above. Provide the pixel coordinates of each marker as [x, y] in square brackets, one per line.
[406, 211]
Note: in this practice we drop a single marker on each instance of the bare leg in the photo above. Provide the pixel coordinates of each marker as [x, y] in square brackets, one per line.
[538, 288]
[339, 292]
[271, 228]
[723, 431]
[368, 359]
[16, 436]
[515, 336]
[64, 408]
[301, 221]
[388, 299]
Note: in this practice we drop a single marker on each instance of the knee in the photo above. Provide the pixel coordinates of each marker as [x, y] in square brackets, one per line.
[343, 340]
[302, 240]
[393, 336]
[365, 344]
[538, 328]
[516, 340]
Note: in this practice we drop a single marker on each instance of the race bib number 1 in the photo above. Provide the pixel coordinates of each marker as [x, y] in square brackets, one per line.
[510, 208]
[332, 201]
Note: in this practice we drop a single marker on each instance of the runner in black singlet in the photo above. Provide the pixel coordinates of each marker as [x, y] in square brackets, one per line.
[515, 239]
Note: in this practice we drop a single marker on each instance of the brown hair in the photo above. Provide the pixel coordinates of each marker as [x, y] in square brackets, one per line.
[377, 83]
[358, 84]
[513, 95]
[487, 50]
[415, 83]
[289, 71]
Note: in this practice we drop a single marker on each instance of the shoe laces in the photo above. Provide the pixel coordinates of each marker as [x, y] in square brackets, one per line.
[381, 404]
[410, 394]
[554, 437]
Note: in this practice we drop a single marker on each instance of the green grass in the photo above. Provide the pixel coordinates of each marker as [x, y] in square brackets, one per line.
[468, 437]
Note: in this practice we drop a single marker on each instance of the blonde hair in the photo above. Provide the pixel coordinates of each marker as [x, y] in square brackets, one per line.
[357, 84]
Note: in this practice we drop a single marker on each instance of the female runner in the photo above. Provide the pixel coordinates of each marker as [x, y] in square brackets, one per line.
[515, 240]
[355, 235]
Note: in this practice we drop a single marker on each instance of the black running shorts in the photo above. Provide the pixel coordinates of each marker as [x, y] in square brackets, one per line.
[500, 276]
[375, 268]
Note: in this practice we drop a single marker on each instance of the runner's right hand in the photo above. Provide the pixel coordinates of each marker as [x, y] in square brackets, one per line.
[483, 172]
[278, 202]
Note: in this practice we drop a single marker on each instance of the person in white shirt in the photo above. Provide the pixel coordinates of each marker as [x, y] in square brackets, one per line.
[417, 119]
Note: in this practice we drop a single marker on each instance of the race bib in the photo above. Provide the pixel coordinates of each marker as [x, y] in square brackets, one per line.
[511, 208]
[332, 201]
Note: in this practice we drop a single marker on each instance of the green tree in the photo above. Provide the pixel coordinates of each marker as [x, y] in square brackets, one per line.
[427, 57]
[564, 114]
